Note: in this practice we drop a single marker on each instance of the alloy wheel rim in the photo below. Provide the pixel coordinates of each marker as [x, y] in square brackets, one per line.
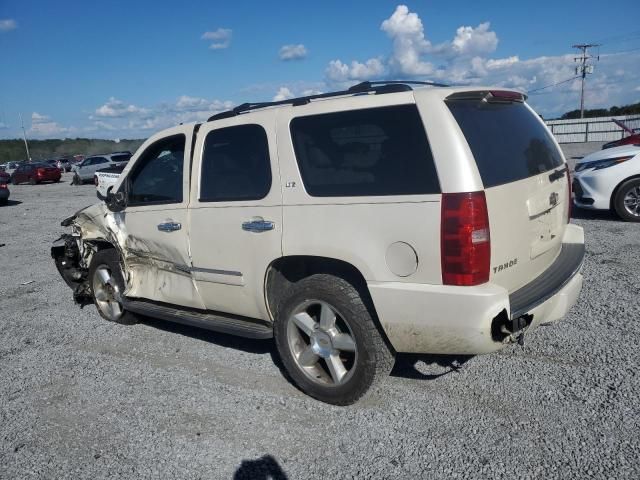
[107, 293]
[321, 343]
[632, 201]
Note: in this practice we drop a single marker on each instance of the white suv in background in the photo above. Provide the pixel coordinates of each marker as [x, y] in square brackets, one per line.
[348, 225]
[85, 170]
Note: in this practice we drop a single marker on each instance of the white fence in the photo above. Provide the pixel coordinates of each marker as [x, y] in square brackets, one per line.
[598, 129]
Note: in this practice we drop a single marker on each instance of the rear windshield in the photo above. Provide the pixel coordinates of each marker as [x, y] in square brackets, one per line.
[120, 158]
[508, 142]
[375, 151]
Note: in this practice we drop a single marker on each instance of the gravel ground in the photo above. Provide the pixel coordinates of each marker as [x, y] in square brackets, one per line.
[83, 398]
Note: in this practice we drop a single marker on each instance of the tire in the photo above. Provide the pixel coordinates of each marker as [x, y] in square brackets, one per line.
[312, 353]
[75, 180]
[32, 181]
[627, 200]
[14, 181]
[106, 290]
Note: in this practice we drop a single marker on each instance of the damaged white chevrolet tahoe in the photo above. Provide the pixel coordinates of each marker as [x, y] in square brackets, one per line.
[349, 226]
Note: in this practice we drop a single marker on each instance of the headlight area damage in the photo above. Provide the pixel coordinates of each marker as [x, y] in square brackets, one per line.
[72, 253]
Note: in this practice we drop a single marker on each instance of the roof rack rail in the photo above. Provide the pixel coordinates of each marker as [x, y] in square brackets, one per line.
[376, 87]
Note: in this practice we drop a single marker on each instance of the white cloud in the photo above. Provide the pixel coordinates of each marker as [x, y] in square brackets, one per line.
[42, 126]
[466, 60]
[409, 43]
[283, 94]
[221, 38]
[292, 52]
[131, 121]
[469, 42]
[7, 24]
[338, 72]
[115, 108]
[4, 126]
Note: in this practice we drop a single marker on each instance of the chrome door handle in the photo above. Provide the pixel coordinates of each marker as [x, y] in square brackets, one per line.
[169, 226]
[258, 225]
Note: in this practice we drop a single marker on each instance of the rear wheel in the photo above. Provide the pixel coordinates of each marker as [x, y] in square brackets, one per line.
[14, 181]
[328, 341]
[75, 180]
[107, 285]
[32, 181]
[627, 200]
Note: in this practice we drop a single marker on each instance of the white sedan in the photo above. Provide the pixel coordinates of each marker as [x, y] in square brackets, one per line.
[610, 180]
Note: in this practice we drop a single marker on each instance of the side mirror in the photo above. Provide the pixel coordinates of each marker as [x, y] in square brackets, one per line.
[116, 202]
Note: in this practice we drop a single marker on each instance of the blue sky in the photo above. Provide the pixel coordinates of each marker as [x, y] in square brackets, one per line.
[126, 69]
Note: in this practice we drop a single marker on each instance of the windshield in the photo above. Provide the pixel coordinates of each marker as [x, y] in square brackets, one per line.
[508, 142]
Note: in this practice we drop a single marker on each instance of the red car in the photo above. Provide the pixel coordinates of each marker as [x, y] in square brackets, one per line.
[632, 139]
[35, 173]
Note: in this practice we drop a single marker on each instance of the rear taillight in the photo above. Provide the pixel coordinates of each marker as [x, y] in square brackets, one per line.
[464, 239]
[40, 171]
[3, 185]
[569, 206]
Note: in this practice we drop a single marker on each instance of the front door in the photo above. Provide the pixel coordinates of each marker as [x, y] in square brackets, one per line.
[236, 214]
[154, 225]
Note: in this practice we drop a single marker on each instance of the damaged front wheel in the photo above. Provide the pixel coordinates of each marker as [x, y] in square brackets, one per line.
[107, 285]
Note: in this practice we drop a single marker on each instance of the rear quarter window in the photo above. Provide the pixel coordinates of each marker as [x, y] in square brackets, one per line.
[508, 142]
[368, 152]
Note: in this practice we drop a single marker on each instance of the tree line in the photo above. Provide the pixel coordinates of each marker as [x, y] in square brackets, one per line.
[633, 109]
[14, 151]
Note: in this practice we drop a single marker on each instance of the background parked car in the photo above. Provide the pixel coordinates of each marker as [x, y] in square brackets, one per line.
[4, 190]
[85, 171]
[64, 164]
[35, 173]
[10, 167]
[610, 179]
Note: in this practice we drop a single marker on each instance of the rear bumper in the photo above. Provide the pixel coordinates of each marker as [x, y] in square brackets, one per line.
[470, 320]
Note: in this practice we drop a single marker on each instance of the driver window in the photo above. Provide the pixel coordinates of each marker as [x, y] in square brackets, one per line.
[157, 177]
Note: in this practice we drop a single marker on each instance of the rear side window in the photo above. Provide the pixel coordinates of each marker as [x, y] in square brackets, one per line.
[120, 158]
[235, 165]
[369, 152]
[506, 139]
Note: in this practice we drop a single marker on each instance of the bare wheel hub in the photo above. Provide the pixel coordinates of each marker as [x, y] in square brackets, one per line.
[106, 293]
[321, 344]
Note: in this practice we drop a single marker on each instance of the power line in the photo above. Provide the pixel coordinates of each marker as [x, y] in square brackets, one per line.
[552, 85]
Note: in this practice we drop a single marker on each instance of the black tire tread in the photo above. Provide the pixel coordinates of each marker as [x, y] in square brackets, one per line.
[618, 201]
[383, 356]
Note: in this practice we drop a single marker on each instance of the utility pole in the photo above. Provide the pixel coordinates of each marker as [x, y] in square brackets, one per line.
[24, 135]
[583, 68]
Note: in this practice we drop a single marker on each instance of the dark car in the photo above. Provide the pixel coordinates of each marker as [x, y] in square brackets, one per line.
[35, 173]
[4, 189]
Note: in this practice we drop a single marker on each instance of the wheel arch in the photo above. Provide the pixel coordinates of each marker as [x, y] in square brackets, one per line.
[285, 271]
[617, 188]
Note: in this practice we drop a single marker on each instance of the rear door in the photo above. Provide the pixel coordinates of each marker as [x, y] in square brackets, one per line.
[235, 213]
[526, 183]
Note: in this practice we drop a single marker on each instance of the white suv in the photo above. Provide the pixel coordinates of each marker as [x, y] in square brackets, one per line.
[85, 170]
[349, 226]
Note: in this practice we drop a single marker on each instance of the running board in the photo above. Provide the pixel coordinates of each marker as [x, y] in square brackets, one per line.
[218, 322]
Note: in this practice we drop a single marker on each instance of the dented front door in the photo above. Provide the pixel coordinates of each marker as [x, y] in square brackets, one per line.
[154, 224]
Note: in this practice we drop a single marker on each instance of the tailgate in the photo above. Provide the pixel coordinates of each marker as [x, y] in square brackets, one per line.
[526, 184]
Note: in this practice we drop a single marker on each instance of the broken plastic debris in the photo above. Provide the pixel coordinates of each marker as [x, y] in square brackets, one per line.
[28, 282]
